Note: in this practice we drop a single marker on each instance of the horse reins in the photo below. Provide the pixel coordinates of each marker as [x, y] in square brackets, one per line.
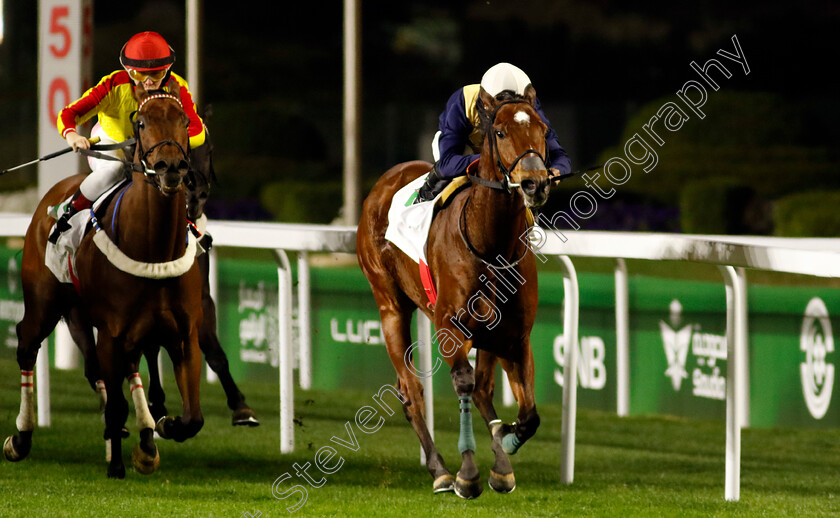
[503, 186]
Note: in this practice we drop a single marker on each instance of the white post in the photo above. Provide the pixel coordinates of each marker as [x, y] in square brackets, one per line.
[352, 101]
[571, 301]
[622, 339]
[734, 324]
[66, 352]
[213, 275]
[304, 323]
[424, 336]
[64, 66]
[193, 51]
[285, 353]
[743, 350]
[42, 384]
[508, 399]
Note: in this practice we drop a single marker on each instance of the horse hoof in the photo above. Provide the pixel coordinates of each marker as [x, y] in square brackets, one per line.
[17, 453]
[143, 462]
[502, 483]
[161, 425]
[444, 483]
[116, 472]
[468, 489]
[9, 450]
[245, 417]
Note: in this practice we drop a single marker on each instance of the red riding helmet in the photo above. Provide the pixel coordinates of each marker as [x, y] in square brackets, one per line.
[147, 55]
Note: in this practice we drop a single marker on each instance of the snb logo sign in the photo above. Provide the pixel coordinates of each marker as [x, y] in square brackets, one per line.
[592, 374]
[817, 342]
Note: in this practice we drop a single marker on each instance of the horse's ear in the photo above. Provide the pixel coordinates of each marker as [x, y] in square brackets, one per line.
[530, 94]
[173, 88]
[139, 92]
[488, 100]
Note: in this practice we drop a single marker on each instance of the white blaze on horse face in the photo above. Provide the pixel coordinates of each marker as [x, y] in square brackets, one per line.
[522, 118]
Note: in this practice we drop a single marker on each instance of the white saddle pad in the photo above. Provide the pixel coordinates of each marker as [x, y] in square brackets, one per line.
[409, 223]
[59, 256]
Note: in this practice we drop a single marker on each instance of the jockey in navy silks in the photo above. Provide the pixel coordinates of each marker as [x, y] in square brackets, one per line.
[458, 142]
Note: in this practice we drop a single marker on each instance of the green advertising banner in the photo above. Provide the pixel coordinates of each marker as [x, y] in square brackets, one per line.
[677, 341]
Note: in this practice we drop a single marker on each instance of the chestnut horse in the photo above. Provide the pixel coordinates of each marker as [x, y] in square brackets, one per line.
[158, 302]
[487, 287]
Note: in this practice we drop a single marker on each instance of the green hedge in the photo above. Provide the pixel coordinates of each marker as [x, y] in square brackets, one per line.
[715, 206]
[302, 202]
[808, 214]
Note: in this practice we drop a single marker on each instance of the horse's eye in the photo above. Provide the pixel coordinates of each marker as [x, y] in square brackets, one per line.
[141, 124]
[500, 134]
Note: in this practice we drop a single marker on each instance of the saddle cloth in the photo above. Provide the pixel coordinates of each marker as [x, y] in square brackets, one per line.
[409, 223]
[60, 257]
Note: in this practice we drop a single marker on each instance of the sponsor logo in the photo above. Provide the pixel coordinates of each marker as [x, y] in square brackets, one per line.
[356, 331]
[817, 373]
[706, 349]
[592, 374]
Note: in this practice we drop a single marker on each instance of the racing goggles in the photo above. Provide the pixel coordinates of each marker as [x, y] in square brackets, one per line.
[141, 76]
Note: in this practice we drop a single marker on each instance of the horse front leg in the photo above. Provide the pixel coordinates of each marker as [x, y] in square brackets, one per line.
[521, 376]
[112, 363]
[157, 397]
[188, 377]
[145, 456]
[468, 479]
[501, 479]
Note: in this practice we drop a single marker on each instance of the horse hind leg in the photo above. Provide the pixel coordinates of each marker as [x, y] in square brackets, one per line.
[145, 456]
[397, 333]
[208, 341]
[36, 325]
[501, 479]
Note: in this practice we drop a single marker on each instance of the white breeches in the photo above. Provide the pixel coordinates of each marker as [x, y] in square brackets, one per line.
[104, 173]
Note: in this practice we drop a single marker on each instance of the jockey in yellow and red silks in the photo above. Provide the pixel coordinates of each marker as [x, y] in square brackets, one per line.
[146, 59]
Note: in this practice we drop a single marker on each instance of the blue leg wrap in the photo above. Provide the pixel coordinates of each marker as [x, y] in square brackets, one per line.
[511, 443]
[466, 440]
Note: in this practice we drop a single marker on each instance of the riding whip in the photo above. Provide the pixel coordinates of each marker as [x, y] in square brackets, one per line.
[94, 140]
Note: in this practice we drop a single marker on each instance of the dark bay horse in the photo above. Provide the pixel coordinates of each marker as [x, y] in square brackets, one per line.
[487, 288]
[144, 288]
[199, 180]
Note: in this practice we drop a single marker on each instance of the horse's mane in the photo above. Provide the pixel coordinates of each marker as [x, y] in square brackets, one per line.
[485, 116]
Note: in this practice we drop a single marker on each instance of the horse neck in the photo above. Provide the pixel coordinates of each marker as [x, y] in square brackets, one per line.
[152, 227]
[494, 219]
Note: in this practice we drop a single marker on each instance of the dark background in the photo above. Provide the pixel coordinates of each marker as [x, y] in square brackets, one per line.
[272, 87]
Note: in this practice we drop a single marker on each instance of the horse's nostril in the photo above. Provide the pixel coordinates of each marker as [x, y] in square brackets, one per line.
[529, 186]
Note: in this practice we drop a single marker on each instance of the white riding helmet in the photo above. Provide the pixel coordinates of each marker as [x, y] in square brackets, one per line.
[504, 76]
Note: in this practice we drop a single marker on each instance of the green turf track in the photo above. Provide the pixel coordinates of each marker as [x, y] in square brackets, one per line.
[639, 466]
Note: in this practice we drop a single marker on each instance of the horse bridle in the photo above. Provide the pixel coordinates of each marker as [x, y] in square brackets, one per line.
[148, 172]
[506, 185]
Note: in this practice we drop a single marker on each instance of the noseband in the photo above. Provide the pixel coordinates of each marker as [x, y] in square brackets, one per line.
[506, 185]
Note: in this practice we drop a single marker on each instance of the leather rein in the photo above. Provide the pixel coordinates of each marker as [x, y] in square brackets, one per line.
[506, 185]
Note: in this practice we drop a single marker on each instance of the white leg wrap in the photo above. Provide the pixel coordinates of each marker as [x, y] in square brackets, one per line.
[26, 418]
[141, 406]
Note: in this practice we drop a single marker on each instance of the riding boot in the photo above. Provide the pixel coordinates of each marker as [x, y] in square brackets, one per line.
[77, 202]
[435, 183]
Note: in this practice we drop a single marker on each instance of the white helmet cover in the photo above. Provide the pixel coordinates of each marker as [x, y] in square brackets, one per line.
[504, 76]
